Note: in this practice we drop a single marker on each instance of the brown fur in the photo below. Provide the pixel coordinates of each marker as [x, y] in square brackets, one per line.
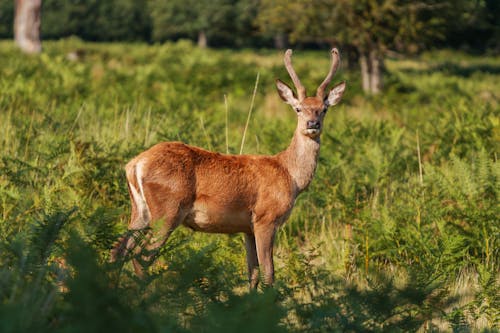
[175, 184]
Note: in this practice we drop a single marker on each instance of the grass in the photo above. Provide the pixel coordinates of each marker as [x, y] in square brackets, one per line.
[399, 230]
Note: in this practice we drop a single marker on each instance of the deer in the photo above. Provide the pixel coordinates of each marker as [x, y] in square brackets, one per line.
[178, 184]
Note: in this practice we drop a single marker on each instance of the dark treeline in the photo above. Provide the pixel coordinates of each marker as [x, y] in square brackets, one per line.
[469, 24]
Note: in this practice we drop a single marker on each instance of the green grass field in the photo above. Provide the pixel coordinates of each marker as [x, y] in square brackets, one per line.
[399, 230]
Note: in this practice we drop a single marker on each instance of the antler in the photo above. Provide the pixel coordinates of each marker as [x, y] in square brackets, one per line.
[320, 92]
[301, 90]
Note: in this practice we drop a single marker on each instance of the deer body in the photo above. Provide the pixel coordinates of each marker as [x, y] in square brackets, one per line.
[175, 184]
[212, 192]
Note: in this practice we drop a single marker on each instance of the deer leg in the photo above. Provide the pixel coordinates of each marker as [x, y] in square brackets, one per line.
[139, 262]
[252, 261]
[172, 216]
[152, 245]
[125, 244]
[139, 220]
[149, 252]
[264, 241]
[131, 242]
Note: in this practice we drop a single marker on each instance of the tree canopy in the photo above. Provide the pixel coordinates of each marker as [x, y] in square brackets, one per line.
[401, 25]
[368, 28]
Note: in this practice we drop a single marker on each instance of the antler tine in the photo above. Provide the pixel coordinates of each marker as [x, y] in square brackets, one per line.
[301, 90]
[320, 92]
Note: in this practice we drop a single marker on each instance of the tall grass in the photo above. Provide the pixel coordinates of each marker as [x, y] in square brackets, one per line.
[399, 231]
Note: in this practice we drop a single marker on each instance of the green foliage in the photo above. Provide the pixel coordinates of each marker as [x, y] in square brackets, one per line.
[374, 245]
[367, 25]
[399, 25]
[6, 19]
[96, 20]
[217, 20]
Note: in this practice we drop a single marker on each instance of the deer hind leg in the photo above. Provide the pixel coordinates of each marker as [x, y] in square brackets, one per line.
[155, 239]
[157, 209]
[166, 209]
[252, 261]
[140, 216]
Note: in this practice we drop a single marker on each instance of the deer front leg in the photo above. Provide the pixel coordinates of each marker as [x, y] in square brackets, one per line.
[252, 261]
[264, 241]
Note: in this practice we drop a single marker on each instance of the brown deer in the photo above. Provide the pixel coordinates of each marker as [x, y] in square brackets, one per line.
[175, 184]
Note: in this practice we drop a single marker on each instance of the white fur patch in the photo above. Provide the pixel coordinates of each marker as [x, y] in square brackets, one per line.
[139, 198]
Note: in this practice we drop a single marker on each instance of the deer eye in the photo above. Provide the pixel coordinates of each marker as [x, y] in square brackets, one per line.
[297, 109]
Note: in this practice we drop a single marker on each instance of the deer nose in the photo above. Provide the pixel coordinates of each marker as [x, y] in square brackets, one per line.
[313, 124]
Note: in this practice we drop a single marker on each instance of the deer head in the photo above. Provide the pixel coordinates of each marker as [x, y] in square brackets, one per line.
[310, 110]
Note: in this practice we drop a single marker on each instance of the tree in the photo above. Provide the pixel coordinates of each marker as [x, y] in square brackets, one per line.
[27, 25]
[96, 20]
[474, 25]
[371, 27]
[201, 19]
[277, 18]
[244, 31]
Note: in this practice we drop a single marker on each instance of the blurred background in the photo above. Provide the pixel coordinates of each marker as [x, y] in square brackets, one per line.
[367, 31]
[394, 24]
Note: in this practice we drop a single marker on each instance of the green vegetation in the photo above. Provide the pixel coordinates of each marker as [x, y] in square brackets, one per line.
[361, 24]
[398, 232]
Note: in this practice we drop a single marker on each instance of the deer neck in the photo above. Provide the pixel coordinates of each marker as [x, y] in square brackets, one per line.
[300, 159]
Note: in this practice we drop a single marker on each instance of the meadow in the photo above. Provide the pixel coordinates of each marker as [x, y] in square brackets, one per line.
[399, 230]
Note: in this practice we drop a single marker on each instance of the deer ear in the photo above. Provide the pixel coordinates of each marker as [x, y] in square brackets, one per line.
[335, 95]
[286, 93]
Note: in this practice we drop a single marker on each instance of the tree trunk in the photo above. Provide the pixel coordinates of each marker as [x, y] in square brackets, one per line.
[376, 64]
[365, 72]
[202, 39]
[280, 41]
[27, 25]
[371, 64]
